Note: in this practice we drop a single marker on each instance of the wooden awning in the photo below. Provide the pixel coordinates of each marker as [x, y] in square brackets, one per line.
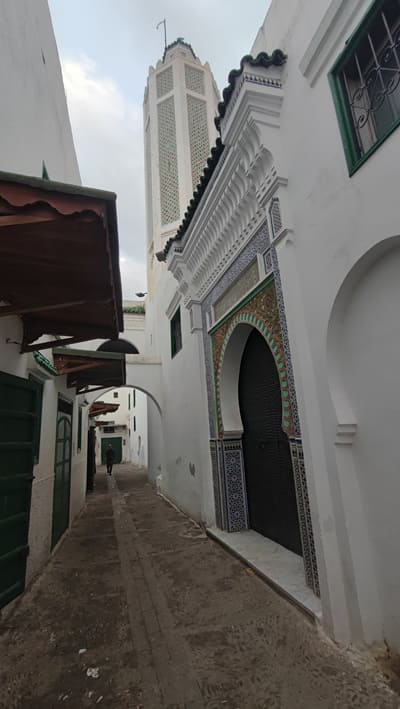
[89, 371]
[59, 261]
[98, 408]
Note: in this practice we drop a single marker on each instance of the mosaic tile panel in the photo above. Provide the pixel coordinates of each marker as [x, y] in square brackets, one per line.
[286, 345]
[246, 281]
[235, 486]
[213, 348]
[261, 312]
[218, 484]
[303, 507]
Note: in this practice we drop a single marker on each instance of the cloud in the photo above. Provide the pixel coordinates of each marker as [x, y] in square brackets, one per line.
[133, 276]
[107, 129]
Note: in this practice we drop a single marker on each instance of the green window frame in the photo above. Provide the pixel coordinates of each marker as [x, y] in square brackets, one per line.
[38, 384]
[134, 423]
[134, 398]
[79, 445]
[129, 402]
[176, 333]
[365, 83]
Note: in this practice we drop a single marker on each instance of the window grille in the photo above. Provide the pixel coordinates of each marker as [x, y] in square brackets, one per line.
[275, 216]
[198, 137]
[366, 83]
[168, 160]
[176, 333]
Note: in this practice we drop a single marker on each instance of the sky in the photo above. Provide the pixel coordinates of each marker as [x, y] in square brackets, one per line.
[106, 47]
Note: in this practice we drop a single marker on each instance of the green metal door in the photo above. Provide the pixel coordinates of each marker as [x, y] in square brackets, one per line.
[17, 431]
[116, 444]
[62, 470]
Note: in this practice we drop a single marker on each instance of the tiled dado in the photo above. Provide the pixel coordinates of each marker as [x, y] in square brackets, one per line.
[229, 484]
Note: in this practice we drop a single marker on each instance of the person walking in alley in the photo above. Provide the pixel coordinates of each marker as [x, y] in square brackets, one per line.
[110, 457]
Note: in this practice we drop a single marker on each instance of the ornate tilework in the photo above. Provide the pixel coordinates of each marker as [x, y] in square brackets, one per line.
[235, 486]
[247, 280]
[303, 507]
[218, 483]
[286, 345]
[260, 312]
[265, 310]
[258, 244]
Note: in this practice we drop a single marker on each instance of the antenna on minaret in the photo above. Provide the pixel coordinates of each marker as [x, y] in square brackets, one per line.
[163, 22]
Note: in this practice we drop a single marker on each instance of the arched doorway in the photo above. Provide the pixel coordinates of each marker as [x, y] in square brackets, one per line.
[270, 484]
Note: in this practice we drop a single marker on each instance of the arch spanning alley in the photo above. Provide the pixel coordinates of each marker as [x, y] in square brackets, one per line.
[119, 345]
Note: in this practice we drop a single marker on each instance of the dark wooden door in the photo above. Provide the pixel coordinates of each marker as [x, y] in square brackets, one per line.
[17, 432]
[62, 470]
[269, 475]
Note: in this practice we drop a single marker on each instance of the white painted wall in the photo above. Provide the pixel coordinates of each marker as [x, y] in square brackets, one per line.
[186, 459]
[34, 118]
[35, 127]
[336, 220]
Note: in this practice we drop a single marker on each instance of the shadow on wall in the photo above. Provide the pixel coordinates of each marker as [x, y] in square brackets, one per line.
[363, 348]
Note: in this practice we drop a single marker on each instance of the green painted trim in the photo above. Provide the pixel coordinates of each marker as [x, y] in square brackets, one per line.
[242, 303]
[352, 152]
[45, 363]
[136, 309]
[38, 385]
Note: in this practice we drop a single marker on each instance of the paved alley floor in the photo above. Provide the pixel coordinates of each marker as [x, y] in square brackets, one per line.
[138, 609]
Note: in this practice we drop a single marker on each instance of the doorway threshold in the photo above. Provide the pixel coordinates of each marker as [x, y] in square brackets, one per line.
[279, 567]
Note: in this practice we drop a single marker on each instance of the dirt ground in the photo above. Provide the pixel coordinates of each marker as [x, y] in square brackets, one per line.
[138, 609]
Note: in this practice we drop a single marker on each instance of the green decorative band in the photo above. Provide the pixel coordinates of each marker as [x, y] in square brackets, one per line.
[135, 309]
[45, 363]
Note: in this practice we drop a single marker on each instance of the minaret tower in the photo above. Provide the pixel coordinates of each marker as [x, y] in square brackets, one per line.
[180, 104]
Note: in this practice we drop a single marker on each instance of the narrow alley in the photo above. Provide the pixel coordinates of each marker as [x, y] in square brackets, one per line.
[137, 608]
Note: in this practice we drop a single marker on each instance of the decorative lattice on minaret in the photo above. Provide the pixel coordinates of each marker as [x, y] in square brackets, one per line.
[165, 82]
[198, 136]
[168, 161]
[194, 79]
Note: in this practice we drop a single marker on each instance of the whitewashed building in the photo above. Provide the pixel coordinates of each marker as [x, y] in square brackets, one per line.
[287, 264]
[48, 297]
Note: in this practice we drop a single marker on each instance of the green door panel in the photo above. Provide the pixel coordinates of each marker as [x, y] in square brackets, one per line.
[17, 428]
[62, 471]
[116, 443]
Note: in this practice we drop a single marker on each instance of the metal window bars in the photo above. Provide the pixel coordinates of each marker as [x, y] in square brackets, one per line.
[372, 82]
